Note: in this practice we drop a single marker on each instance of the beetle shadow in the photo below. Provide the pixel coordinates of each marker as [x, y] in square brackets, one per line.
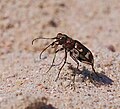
[97, 80]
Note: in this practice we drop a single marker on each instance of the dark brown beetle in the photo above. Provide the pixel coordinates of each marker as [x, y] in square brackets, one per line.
[78, 52]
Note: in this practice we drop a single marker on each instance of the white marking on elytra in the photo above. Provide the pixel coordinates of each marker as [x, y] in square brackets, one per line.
[87, 55]
[81, 50]
[75, 45]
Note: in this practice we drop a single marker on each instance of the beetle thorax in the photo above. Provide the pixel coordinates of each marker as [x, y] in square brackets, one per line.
[69, 45]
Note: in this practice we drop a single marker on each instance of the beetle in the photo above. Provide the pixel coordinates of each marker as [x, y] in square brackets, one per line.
[78, 52]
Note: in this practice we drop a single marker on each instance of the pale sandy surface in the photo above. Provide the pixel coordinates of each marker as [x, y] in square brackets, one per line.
[23, 78]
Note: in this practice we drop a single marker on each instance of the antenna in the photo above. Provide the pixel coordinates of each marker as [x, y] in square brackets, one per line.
[42, 38]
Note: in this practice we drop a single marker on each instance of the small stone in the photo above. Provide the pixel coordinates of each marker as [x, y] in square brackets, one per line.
[111, 48]
[18, 93]
[18, 83]
[53, 23]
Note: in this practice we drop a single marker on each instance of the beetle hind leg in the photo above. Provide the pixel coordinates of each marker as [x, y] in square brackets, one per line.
[94, 71]
[74, 75]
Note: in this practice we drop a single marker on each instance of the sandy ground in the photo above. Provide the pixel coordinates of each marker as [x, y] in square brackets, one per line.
[24, 83]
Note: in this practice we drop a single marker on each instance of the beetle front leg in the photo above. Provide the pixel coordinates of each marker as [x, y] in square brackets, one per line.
[54, 58]
[47, 48]
[62, 65]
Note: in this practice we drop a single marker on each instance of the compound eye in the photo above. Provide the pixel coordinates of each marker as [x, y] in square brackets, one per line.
[59, 34]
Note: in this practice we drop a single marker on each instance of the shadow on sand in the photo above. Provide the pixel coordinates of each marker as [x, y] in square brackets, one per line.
[102, 79]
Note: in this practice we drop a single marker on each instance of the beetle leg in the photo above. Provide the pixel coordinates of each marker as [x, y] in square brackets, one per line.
[62, 65]
[47, 47]
[52, 61]
[94, 70]
[71, 55]
[54, 57]
[74, 60]
[62, 59]
[60, 62]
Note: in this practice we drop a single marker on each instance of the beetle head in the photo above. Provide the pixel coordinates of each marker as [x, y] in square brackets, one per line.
[61, 38]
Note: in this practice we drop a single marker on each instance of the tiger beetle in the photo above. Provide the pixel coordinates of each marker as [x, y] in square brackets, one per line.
[78, 52]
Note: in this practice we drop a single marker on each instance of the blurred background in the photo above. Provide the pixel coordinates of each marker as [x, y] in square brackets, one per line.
[93, 22]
